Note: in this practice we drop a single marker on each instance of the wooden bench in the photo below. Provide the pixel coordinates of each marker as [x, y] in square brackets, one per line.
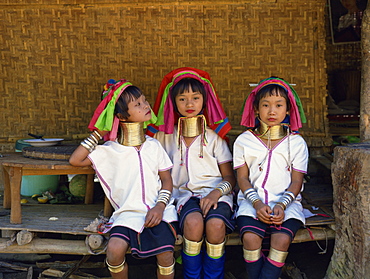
[73, 218]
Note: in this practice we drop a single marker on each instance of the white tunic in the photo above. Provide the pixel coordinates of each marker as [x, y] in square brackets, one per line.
[196, 176]
[130, 180]
[275, 176]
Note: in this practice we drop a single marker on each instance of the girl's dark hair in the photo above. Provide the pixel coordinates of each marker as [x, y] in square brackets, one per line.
[184, 85]
[128, 95]
[271, 90]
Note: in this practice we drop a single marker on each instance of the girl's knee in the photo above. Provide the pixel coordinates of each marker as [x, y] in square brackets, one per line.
[194, 220]
[116, 251]
[251, 241]
[215, 224]
[165, 258]
[193, 227]
[280, 241]
[215, 231]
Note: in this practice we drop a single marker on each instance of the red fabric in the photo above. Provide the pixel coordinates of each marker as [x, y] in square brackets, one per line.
[226, 127]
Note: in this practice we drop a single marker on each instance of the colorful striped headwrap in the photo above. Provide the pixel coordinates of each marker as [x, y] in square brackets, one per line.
[104, 118]
[297, 116]
[165, 111]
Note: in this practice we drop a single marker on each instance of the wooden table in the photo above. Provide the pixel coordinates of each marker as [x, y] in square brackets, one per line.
[14, 166]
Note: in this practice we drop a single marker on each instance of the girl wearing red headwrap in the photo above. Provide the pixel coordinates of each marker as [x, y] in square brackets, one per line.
[191, 126]
[270, 159]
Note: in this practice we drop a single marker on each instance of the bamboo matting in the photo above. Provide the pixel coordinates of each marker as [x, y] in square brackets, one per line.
[60, 153]
[71, 218]
[57, 56]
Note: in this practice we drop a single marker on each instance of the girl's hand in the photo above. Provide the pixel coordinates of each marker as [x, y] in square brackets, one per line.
[154, 215]
[279, 214]
[209, 201]
[263, 212]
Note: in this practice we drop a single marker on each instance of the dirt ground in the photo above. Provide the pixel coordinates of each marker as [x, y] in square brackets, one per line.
[306, 257]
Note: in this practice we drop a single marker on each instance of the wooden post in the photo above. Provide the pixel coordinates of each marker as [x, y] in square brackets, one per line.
[351, 194]
[365, 79]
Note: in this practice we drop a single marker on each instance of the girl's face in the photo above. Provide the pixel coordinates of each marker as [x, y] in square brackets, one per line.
[189, 103]
[272, 109]
[139, 110]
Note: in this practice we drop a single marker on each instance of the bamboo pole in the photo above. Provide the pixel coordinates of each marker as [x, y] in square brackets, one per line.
[48, 246]
[303, 235]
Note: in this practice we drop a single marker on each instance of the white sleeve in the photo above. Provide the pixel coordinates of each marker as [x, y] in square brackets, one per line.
[238, 153]
[222, 151]
[300, 156]
[164, 162]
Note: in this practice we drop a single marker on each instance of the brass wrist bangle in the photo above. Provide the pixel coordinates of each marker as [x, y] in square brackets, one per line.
[221, 192]
[97, 134]
[255, 201]
[281, 205]
[224, 187]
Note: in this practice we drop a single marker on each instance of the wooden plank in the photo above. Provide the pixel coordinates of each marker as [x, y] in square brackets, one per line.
[17, 160]
[13, 266]
[69, 264]
[72, 218]
[61, 274]
[7, 201]
[48, 246]
[303, 235]
[15, 179]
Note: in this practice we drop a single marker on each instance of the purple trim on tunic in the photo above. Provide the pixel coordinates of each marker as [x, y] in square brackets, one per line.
[252, 229]
[166, 169]
[151, 251]
[280, 142]
[268, 163]
[223, 218]
[284, 228]
[102, 181]
[120, 235]
[236, 167]
[186, 214]
[257, 137]
[223, 162]
[142, 180]
[187, 158]
[266, 176]
[302, 171]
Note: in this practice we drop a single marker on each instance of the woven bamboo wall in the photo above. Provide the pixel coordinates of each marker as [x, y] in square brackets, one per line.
[56, 55]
